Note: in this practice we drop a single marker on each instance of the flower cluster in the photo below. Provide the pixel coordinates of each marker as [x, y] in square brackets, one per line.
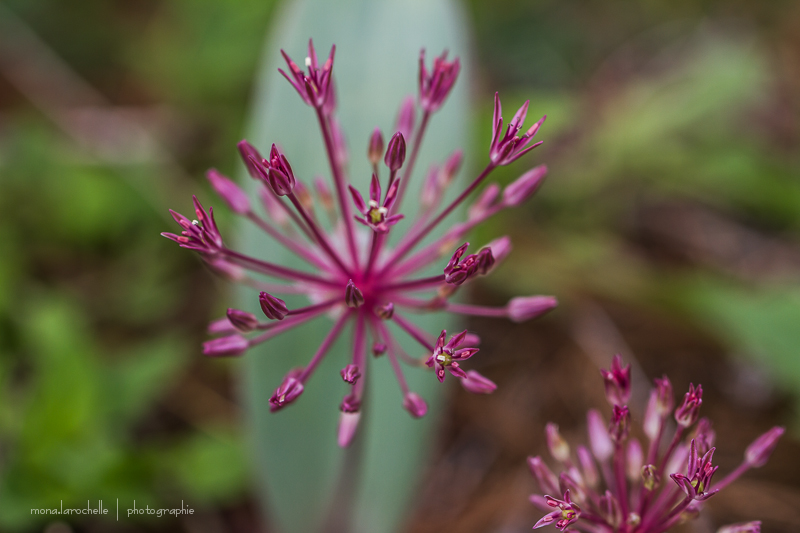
[354, 275]
[616, 485]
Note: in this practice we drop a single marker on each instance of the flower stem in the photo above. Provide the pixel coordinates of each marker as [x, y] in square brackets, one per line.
[403, 249]
[338, 181]
[324, 347]
[319, 237]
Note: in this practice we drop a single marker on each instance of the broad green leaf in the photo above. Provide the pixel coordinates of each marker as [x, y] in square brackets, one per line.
[300, 465]
[761, 323]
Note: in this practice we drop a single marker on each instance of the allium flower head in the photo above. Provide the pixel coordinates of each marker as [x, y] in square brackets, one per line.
[354, 275]
[618, 487]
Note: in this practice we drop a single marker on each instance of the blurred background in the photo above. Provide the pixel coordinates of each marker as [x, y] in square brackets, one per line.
[669, 229]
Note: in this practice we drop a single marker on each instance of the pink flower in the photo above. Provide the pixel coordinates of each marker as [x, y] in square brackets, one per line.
[631, 496]
[353, 274]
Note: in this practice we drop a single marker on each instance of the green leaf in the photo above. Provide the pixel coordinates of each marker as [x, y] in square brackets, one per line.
[300, 465]
[760, 323]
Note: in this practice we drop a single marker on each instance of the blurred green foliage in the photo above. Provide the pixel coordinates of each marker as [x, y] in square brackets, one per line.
[96, 329]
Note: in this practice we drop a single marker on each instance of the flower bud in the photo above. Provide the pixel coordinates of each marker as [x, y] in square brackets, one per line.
[235, 197]
[288, 391]
[478, 384]
[350, 404]
[471, 339]
[220, 326]
[434, 86]
[386, 312]
[280, 176]
[686, 414]
[524, 187]
[415, 405]
[650, 478]
[242, 320]
[617, 382]
[601, 444]
[757, 454]
[610, 509]
[252, 159]
[375, 147]
[353, 296]
[431, 192]
[274, 308]
[524, 308]
[484, 261]
[225, 346]
[348, 424]
[350, 374]
[486, 199]
[559, 448]
[406, 117]
[500, 247]
[451, 168]
[396, 152]
[378, 349]
[635, 459]
[548, 482]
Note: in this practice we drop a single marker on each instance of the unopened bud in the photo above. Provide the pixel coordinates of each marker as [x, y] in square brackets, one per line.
[353, 296]
[350, 374]
[558, 447]
[378, 349]
[617, 382]
[686, 414]
[220, 326]
[500, 247]
[486, 199]
[524, 187]
[650, 478]
[471, 339]
[415, 405]
[274, 308]
[396, 152]
[524, 308]
[451, 168]
[242, 320]
[406, 117]
[635, 457]
[348, 424]
[475, 383]
[235, 197]
[350, 404]
[288, 391]
[758, 453]
[602, 447]
[280, 177]
[386, 312]
[225, 346]
[548, 482]
[375, 147]
[252, 159]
